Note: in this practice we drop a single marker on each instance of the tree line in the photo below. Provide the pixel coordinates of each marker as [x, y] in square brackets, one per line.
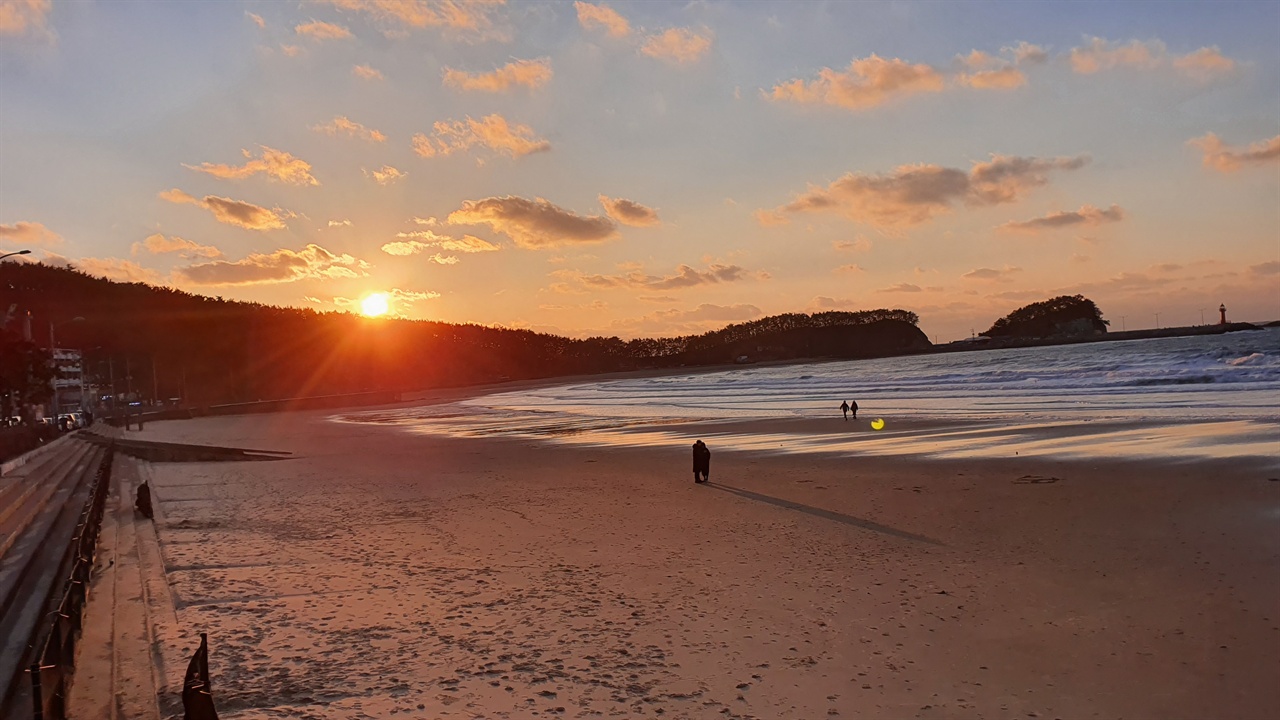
[160, 343]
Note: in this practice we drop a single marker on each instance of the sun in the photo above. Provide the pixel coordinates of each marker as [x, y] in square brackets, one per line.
[375, 305]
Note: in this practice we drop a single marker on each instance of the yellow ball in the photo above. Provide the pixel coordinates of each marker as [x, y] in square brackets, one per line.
[877, 424]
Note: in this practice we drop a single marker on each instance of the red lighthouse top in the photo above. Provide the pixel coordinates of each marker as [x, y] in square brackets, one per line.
[1223, 309]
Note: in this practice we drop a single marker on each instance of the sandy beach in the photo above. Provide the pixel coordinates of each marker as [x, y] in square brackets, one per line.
[380, 573]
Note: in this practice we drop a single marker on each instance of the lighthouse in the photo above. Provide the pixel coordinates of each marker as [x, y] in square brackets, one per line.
[1223, 310]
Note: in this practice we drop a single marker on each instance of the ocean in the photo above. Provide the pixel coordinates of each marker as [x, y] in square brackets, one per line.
[1187, 398]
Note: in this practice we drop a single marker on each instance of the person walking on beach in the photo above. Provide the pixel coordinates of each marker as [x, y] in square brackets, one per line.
[844, 408]
[701, 462]
[853, 405]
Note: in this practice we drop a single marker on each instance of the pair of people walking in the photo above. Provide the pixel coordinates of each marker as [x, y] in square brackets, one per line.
[701, 462]
[845, 407]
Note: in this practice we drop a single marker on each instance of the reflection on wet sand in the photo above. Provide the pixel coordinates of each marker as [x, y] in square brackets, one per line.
[1217, 440]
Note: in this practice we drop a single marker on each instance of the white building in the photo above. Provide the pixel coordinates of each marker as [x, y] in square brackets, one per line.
[68, 385]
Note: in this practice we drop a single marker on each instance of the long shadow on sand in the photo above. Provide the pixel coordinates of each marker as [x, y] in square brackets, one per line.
[825, 514]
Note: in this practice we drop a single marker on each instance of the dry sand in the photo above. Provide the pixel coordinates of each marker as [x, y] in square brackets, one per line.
[380, 573]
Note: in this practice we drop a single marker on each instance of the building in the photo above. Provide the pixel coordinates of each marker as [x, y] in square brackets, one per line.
[69, 391]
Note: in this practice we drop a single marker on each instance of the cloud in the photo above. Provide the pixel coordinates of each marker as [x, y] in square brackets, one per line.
[858, 244]
[339, 223]
[534, 224]
[1001, 275]
[110, 268]
[385, 175]
[684, 277]
[366, 72]
[593, 16]
[989, 72]
[257, 19]
[19, 18]
[1271, 267]
[532, 74]
[351, 128]
[428, 221]
[291, 50]
[658, 298]
[900, 288]
[29, 233]
[677, 45]
[850, 268]
[412, 296]
[275, 164]
[322, 31]
[231, 212]
[1025, 52]
[913, 194]
[456, 14]
[158, 244]
[418, 241]
[491, 131]
[823, 303]
[312, 262]
[1086, 215]
[868, 82]
[443, 259]
[1099, 54]
[1226, 159]
[629, 213]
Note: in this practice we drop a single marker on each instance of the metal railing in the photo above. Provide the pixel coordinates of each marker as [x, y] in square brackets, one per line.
[56, 658]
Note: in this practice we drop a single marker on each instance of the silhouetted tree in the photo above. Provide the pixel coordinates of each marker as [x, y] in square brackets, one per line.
[1062, 315]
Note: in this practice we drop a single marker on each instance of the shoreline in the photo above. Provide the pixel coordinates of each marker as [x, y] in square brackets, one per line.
[387, 571]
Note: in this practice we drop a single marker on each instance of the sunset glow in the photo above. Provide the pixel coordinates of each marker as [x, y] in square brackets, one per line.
[640, 169]
[375, 305]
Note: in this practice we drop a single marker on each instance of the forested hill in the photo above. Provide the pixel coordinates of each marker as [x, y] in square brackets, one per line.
[159, 340]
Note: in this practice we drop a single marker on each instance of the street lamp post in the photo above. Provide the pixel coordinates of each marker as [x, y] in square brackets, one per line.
[20, 252]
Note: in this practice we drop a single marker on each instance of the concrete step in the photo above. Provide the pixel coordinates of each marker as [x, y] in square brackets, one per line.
[35, 576]
[29, 493]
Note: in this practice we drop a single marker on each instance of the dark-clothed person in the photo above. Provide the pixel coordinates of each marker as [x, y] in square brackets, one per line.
[853, 406]
[844, 408]
[701, 462]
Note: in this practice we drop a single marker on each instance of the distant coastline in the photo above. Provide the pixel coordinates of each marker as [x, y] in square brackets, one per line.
[1006, 343]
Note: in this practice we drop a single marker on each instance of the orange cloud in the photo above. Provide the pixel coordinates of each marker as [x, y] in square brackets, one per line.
[1226, 159]
[1100, 54]
[231, 212]
[1086, 215]
[1002, 275]
[29, 233]
[491, 131]
[456, 14]
[677, 45]
[312, 262]
[386, 175]
[867, 83]
[366, 72]
[901, 287]
[913, 194]
[592, 16]
[342, 125]
[529, 73]
[322, 31]
[257, 19]
[19, 18]
[629, 213]
[275, 164]
[110, 268]
[534, 224]
[420, 240]
[158, 244]
[684, 277]
[988, 72]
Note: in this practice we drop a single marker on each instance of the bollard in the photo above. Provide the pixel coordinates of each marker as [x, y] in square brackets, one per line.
[37, 693]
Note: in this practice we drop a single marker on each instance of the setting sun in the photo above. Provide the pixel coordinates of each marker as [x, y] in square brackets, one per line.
[375, 305]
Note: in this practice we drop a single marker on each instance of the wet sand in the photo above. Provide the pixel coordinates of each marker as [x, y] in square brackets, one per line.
[381, 572]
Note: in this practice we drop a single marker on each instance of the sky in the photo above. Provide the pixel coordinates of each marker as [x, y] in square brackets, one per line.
[650, 168]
